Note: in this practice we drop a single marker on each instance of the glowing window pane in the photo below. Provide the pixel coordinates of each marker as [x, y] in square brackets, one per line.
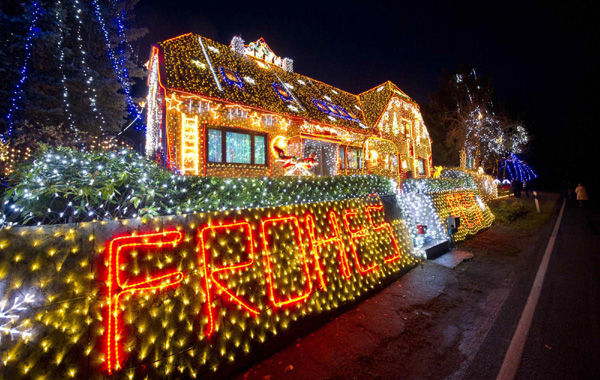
[421, 163]
[238, 148]
[342, 159]
[215, 145]
[259, 150]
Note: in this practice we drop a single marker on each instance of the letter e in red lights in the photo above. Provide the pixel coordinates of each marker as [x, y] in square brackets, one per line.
[385, 226]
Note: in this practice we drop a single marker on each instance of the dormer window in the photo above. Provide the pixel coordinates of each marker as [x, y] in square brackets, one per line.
[283, 93]
[231, 77]
[334, 110]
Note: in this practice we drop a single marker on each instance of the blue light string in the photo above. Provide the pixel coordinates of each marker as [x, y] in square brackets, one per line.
[518, 169]
[18, 90]
[123, 80]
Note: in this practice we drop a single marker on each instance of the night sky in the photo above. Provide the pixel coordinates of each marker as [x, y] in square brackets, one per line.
[543, 57]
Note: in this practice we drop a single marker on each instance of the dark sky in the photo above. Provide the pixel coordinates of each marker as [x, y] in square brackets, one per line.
[542, 56]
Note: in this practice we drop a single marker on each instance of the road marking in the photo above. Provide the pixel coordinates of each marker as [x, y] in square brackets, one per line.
[515, 350]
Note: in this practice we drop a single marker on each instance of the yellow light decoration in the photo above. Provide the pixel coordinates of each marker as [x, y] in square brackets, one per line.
[275, 100]
[190, 151]
[263, 270]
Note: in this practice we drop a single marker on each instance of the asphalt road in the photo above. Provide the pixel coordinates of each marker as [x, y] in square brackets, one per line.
[564, 339]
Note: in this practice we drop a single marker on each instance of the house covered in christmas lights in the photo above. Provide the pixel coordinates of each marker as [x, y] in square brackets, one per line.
[241, 111]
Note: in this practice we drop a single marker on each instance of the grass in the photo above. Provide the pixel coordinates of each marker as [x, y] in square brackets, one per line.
[521, 213]
[507, 210]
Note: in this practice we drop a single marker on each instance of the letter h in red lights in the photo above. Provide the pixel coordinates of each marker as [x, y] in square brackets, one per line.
[275, 299]
[119, 286]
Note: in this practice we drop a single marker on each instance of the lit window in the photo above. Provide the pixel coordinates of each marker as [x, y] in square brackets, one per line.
[231, 77]
[238, 148]
[354, 157]
[234, 146]
[259, 150]
[282, 92]
[215, 145]
[421, 164]
[342, 158]
[334, 110]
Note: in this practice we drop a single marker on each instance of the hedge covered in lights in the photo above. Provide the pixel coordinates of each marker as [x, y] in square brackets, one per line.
[430, 201]
[64, 185]
[179, 296]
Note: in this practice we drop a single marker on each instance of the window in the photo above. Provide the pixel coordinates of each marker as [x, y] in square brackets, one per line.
[231, 77]
[421, 164]
[282, 92]
[235, 146]
[215, 145]
[333, 110]
[354, 158]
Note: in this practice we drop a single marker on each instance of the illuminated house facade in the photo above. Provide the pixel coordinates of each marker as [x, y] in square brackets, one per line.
[241, 111]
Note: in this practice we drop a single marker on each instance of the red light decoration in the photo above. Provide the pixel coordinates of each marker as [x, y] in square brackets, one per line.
[118, 286]
[465, 205]
[354, 236]
[209, 272]
[315, 244]
[267, 254]
[386, 226]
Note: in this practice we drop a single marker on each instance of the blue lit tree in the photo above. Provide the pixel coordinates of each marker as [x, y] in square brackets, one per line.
[68, 67]
[515, 168]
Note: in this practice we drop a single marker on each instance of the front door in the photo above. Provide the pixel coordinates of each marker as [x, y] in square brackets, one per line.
[324, 153]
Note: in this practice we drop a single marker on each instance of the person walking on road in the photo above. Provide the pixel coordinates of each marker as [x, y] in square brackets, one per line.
[582, 195]
[516, 189]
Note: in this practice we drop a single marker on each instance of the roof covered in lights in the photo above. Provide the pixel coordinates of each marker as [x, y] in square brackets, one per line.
[198, 65]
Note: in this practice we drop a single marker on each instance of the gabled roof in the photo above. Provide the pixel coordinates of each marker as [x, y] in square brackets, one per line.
[198, 65]
[375, 100]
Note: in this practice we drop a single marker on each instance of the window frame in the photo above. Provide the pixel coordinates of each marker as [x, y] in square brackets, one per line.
[224, 131]
[345, 165]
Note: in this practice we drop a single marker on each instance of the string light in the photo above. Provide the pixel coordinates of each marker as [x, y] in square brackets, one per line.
[119, 67]
[36, 12]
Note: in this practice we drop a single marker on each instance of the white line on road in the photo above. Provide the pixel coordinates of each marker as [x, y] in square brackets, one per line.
[515, 350]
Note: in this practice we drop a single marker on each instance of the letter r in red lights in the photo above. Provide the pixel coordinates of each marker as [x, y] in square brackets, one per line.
[210, 271]
[274, 298]
[119, 286]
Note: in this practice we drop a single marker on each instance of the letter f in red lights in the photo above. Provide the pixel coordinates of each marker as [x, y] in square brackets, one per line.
[118, 286]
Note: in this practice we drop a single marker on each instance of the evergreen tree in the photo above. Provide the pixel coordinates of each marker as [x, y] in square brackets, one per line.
[71, 86]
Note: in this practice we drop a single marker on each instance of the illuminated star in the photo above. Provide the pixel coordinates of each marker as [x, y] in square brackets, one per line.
[173, 100]
[255, 119]
[284, 123]
[215, 111]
